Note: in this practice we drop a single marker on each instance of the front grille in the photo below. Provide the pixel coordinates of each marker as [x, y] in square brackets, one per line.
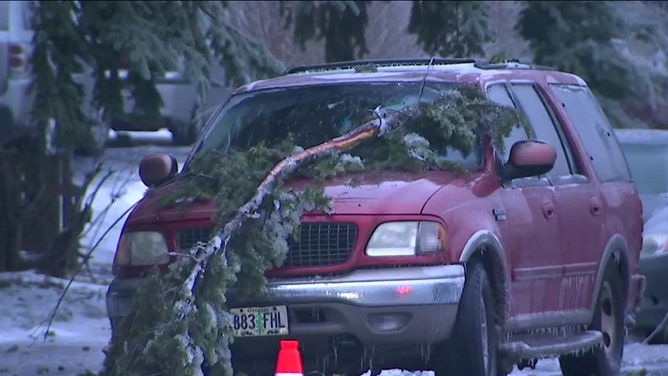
[319, 244]
[187, 238]
[322, 244]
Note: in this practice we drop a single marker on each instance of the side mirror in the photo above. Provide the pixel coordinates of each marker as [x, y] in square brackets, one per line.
[157, 168]
[529, 158]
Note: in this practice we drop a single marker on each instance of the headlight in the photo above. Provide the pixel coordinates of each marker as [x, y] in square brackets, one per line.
[407, 238]
[654, 243]
[142, 248]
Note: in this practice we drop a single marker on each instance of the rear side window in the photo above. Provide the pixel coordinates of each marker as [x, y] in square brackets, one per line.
[542, 124]
[4, 15]
[594, 131]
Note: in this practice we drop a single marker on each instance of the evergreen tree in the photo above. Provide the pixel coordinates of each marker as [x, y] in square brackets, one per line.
[152, 37]
[57, 95]
[340, 23]
[451, 28]
[579, 37]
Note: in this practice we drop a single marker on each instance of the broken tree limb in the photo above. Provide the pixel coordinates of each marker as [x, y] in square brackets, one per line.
[386, 121]
[185, 305]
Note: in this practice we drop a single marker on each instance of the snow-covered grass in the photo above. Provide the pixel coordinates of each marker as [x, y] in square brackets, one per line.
[73, 342]
[37, 339]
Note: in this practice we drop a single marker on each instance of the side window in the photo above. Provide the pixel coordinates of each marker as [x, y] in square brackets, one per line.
[543, 125]
[499, 94]
[594, 130]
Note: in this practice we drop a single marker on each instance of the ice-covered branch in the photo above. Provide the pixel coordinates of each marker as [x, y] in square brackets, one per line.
[386, 121]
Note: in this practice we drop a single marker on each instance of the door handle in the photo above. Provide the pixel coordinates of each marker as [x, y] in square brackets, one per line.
[548, 209]
[595, 206]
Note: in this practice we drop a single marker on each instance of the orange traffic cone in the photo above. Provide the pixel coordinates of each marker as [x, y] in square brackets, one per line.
[289, 361]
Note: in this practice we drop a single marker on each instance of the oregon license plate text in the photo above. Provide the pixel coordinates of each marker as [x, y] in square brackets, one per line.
[260, 321]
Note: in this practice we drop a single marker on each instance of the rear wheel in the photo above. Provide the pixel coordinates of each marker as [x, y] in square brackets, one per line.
[609, 320]
[98, 136]
[185, 134]
[471, 349]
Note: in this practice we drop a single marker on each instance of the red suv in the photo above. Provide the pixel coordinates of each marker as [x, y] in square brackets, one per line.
[529, 252]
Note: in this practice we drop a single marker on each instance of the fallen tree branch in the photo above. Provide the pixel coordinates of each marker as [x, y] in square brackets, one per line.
[185, 305]
[387, 120]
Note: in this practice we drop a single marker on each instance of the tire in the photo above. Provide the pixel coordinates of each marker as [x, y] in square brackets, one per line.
[472, 347]
[185, 134]
[98, 137]
[609, 319]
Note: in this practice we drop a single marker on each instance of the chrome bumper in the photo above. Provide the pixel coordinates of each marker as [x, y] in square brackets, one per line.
[426, 299]
[376, 288]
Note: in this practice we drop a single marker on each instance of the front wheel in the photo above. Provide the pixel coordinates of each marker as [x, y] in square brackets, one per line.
[471, 349]
[608, 318]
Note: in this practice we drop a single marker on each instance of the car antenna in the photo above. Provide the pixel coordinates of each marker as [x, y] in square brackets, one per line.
[424, 79]
[422, 86]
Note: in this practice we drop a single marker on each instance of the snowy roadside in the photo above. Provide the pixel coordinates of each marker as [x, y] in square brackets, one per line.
[80, 330]
[74, 342]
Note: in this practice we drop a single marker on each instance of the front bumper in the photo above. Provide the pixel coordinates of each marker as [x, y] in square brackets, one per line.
[654, 301]
[381, 307]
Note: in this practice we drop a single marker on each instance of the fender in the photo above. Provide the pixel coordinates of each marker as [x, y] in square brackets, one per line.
[616, 250]
[488, 244]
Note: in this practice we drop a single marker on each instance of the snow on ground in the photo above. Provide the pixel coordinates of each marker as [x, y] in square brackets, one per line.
[73, 343]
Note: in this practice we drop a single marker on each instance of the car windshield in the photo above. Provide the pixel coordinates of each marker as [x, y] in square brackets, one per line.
[649, 167]
[310, 115]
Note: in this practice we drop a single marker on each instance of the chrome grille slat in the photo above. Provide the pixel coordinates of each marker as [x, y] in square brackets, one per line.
[320, 244]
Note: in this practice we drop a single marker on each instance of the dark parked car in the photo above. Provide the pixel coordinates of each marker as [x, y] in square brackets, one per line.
[532, 252]
[647, 154]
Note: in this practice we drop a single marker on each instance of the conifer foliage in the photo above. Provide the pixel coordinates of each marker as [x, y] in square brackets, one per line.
[451, 28]
[340, 23]
[579, 37]
[149, 38]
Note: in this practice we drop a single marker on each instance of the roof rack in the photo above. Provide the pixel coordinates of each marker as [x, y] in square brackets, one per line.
[383, 62]
[510, 64]
[481, 64]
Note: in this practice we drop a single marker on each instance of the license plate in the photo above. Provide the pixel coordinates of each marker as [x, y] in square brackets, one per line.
[260, 321]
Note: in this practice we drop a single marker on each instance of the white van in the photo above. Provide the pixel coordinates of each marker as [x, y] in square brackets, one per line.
[16, 125]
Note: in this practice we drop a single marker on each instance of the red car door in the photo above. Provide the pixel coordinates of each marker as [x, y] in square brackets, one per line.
[530, 231]
[594, 191]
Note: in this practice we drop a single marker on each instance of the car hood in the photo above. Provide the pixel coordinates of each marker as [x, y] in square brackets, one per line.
[375, 193]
